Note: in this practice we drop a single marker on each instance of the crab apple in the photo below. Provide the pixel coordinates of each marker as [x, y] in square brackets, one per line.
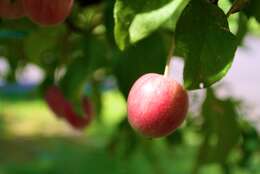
[77, 121]
[48, 12]
[64, 109]
[156, 105]
[11, 9]
[56, 101]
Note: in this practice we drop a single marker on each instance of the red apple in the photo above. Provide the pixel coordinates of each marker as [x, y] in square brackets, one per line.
[156, 105]
[56, 101]
[48, 12]
[64, 108]
[77, 121]
[11, 9]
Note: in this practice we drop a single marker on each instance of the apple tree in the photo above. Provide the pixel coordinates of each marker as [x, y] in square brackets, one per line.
[85, 44]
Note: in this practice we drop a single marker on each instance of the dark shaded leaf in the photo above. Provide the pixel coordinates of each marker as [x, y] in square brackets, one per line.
[142, 58]
[204, 40]
[220, 128]
[253, 9]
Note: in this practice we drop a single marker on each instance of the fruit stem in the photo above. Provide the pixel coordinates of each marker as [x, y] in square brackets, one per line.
[169, 58]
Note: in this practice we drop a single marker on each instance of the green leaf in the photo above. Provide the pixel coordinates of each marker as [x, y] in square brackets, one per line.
[203, 38]
[42, 42]
[124, 12]
[220, 128]
[136, 19]
[242, 28]
[91, 55]
[145, 23]
[253, 9]
[92, 58]
[139, 60]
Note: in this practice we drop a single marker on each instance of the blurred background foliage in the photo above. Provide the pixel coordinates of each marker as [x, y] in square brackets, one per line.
[81, 56]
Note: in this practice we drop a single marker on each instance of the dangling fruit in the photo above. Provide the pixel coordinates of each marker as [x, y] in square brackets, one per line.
[48, 12]
[157, 105]
[64, 109]
[77, 121]
[11, 9]
[56, 101]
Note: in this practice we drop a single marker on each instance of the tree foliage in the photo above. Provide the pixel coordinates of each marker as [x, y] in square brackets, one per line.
[124, 39]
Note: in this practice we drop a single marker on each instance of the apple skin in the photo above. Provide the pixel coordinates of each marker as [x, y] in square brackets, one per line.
[156, 105]
[11, 10]
[56, 101]
[77, 121]
[47, 12]
[64, 108]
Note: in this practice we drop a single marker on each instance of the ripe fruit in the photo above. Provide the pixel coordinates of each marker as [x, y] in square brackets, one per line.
[11, 9]
[56, 101]
[64, 109]
[77, 121]
[48, 12]
[157, 105]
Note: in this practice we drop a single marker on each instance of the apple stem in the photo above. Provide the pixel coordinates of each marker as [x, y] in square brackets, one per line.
[169, 58]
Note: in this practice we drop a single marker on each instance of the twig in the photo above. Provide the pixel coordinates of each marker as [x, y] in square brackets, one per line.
[169, 58]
